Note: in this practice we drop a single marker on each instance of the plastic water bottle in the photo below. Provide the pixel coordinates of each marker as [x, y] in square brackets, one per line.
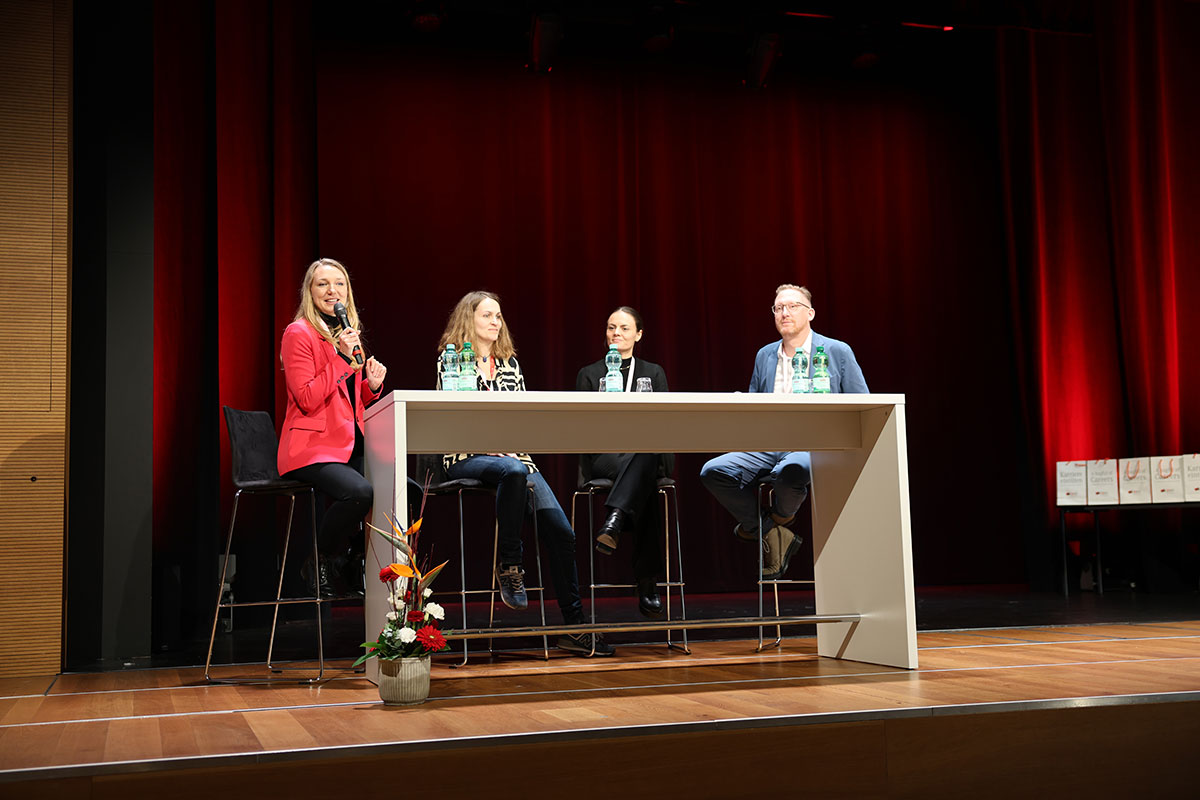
[450, 369]
[612, 378]
[801, 383]
[468, 373]
[820, 381]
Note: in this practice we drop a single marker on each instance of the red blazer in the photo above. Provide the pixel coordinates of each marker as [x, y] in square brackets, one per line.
[319, 424]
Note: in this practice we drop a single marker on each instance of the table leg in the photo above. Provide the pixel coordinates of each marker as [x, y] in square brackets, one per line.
[862, 546]
[387, 471]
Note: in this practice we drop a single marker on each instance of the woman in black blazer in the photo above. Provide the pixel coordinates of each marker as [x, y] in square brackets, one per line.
[630, 503]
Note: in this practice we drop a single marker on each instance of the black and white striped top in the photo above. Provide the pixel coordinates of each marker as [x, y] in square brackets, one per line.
[508, 378]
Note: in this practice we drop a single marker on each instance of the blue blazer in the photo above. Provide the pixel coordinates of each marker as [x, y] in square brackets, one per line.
[844, 373]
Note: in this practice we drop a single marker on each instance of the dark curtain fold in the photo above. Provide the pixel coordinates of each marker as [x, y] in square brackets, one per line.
[186, 423]
[234, 197]
[1003, 228]
[1150, 71]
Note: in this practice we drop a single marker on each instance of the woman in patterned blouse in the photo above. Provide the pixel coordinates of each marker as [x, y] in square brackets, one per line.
[477, 319]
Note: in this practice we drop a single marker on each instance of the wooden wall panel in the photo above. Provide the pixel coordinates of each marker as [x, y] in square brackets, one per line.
[35, 63]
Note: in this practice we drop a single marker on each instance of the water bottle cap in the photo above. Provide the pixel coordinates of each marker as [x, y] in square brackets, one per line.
[450, 346]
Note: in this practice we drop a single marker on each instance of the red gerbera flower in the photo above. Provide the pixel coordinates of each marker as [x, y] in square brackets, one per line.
[431, 638]
[415, 616]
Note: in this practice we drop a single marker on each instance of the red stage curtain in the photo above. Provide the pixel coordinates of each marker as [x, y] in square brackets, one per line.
[1003, 235]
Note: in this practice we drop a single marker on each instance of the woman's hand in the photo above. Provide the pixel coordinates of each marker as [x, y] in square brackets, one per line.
[376, 372]
[347, 341]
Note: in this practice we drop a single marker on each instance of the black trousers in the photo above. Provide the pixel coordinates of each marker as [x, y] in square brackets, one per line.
[635, 491]
[350, 499]
[350, 496]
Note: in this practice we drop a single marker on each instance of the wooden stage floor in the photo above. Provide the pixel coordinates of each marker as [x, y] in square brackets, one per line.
[84, 728]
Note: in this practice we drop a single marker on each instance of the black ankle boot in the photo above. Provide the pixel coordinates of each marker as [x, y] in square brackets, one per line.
[314, 582]
[649, 603]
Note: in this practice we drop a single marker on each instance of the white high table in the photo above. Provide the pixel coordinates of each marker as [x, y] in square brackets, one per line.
[861, 534]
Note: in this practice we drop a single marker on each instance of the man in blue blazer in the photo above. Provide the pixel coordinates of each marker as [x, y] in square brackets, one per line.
[733, 478]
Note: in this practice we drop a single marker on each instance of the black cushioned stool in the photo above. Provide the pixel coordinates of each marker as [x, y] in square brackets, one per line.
[430, 467]
[254, 448]
[666, 490]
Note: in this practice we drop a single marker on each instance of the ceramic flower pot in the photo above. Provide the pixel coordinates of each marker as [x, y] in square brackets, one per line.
[405, 681]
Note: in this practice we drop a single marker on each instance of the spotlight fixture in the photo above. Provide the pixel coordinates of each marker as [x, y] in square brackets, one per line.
[764, 52]
[545, 41]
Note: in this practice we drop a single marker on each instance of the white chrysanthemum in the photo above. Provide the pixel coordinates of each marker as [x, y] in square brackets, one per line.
[407, 635]
[392, 616]
[427, 592]
[435, 611]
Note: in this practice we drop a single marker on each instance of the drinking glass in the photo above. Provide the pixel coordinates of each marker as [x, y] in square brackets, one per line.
[643, 385]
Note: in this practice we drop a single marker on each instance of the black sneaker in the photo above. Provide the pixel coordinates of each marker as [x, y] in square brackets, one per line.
[587, 645]
[512, 586]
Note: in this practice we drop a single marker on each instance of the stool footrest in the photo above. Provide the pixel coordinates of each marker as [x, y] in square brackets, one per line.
[665, 625]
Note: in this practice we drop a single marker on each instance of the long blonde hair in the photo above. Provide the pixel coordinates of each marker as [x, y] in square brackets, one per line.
[460, 326]
[307, 311]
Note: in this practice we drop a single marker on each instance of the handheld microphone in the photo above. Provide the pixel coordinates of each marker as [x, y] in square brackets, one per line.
[339, 311]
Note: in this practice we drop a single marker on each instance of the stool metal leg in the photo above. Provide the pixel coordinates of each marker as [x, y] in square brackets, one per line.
[221, 584]
[287, 540]
[278, 601]
[537, 549]
[761, 544]
[591, 548]
[761, 582]
[462, 573]
[492, 594]
[317, 604]
[678, 565]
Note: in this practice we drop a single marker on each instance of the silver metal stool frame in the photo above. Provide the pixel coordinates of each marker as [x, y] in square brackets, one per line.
[463, 591]
[774, 582]
[590, 490]
[279, 600]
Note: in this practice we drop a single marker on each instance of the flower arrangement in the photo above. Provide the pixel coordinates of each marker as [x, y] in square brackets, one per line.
[412, 626]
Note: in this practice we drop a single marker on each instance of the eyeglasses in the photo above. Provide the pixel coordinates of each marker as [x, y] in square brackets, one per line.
[791, 308]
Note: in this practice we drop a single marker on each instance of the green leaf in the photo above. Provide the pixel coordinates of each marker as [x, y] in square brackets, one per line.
[429, 576]
[395, 541]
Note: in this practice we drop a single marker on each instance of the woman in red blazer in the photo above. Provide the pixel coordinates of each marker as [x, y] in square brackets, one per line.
[327, 387]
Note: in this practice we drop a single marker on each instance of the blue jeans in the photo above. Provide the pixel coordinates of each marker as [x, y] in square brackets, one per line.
[515, 488]
[734, 477]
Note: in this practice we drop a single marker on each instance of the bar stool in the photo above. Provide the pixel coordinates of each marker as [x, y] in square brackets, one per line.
[774, 583]
[665, 488]
[254, 448]
[441, 484]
